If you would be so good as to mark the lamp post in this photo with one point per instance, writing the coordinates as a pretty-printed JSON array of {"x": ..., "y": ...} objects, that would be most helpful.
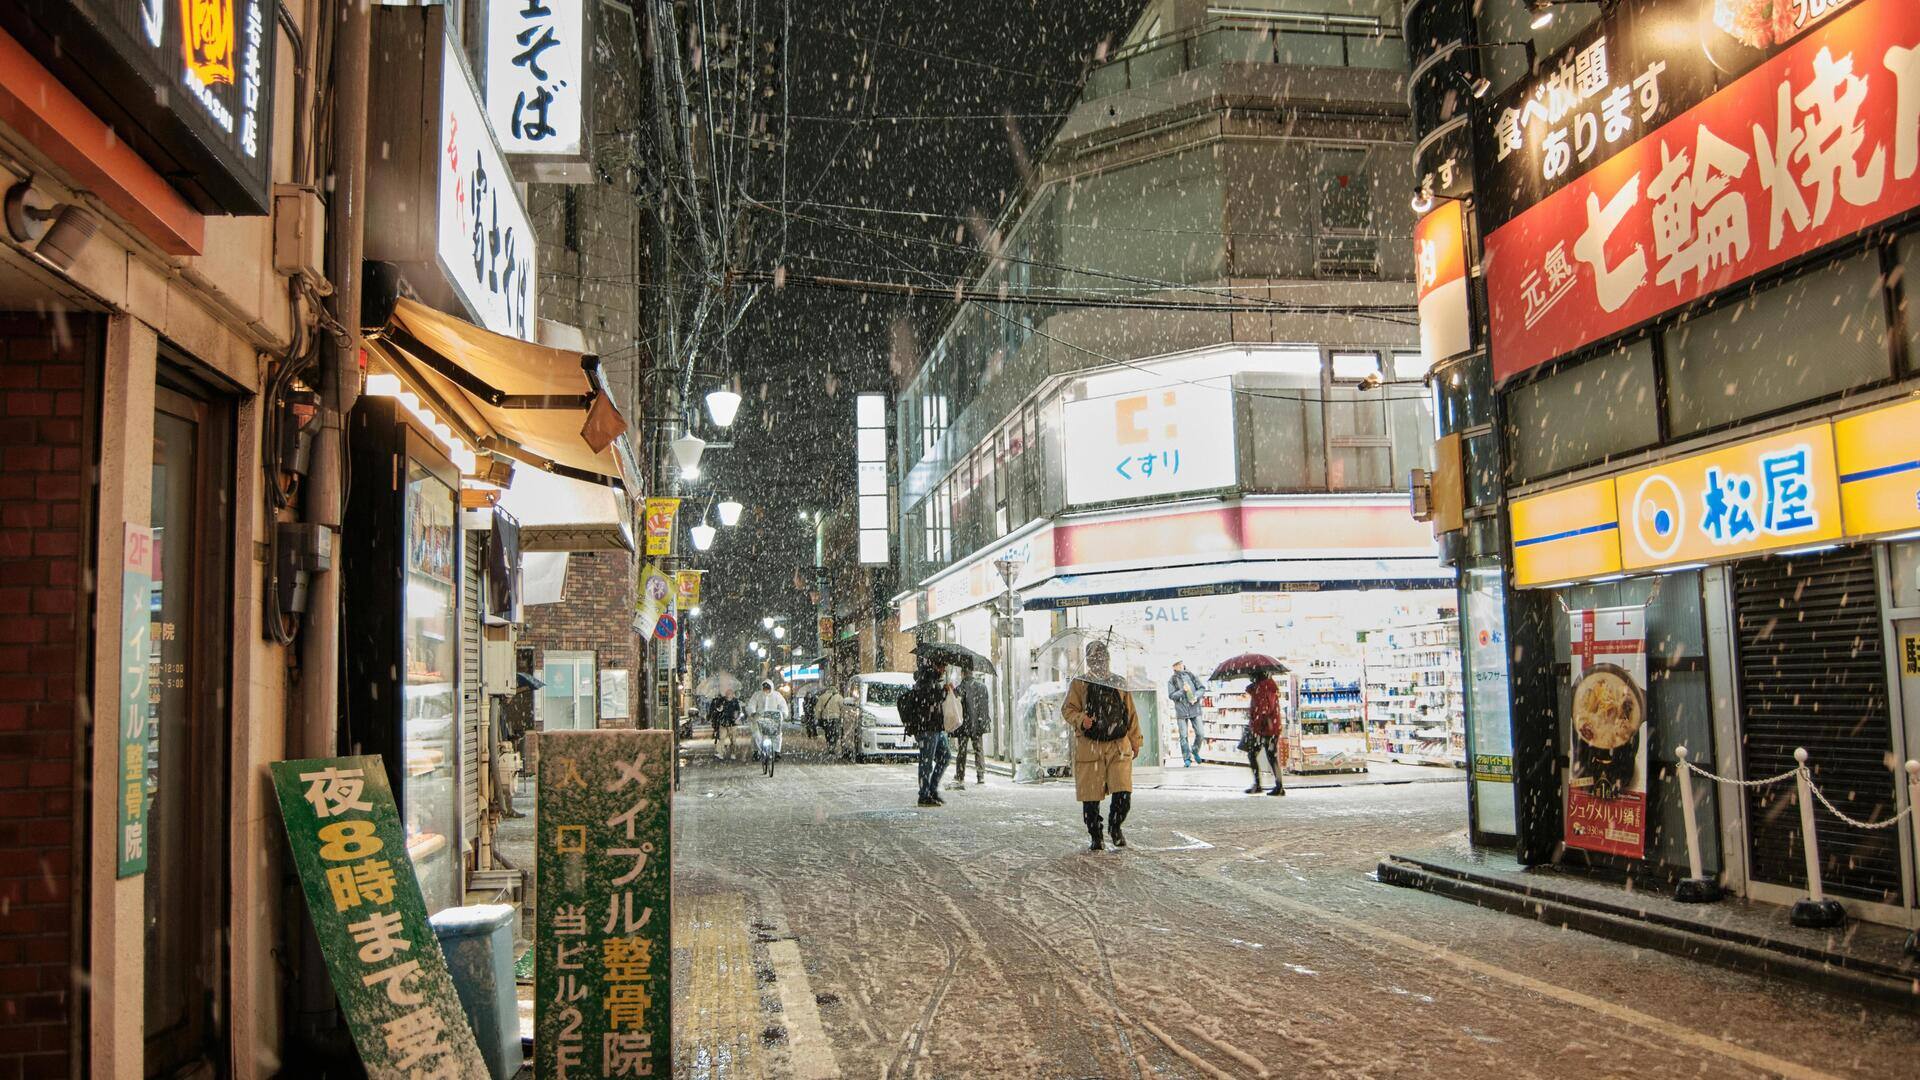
[{"x": 1024, "y": 737}]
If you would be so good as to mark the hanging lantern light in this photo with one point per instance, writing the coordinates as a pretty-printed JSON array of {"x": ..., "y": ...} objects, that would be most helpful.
[
  {"x": 723, "y": 406},
  {"x": 687, "y": 450},
  {"x": 703, "y": 535},
  {"x": 729, "y": 513}
]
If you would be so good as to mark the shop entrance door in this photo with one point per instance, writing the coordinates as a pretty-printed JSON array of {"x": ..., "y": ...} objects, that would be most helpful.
[
  {"x": 1812, "y": 674},
  {"x": 569, "y": 695}
]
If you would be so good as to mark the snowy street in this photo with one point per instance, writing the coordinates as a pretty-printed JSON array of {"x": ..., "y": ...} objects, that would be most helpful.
[{"x": 1237, "y": 936}]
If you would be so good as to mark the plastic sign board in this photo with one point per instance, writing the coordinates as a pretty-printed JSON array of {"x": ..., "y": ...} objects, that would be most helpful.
[
  {"x": 136, "y": 690},
  {"x": 1815, "y": 144},
  {"x": 1878, "y": 457},
  {"x": 1440, "y": 256},
  {"x": 387, "y": 967},
  {"x": 660, "y": 516},
  {"x": 1606, "y": 808},
  {"x": 603, "y": 922},
  {"x": 536, "y": 75},
  {"x": 1766, "y": 494},
  {"x": 1163, "y": 441},
  {"x": 1566, "y": 535},
  {"x": 870, "y": 472},
  {"x": 485, "y": 243},
  {"x": 686, "y": 588}
]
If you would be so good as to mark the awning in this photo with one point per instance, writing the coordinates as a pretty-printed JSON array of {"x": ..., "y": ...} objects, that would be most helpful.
[
  {"x": 515, "y": 398},
  {"x": 1212, "y": 579}
]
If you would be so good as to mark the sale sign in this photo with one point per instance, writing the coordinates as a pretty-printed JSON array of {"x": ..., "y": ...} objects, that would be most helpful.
[
  {"x": 1607, "y": 784},
  {"x": 1816, "y": 144}
]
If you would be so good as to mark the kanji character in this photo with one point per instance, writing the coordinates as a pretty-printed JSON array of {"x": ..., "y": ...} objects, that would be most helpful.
[
  {"x": 335, "y": 791},
  {"x": 620, "y": 918},
  {"x": 1787, "y": 202},
  {"x": 135, "y": 840},
  {"x": 477, "y": 182},
  {"x": 536, "y": 39},
  {"x": 1559, "y": 155},
  {"x": 1648, "y": 84},
  {"x": 627, "y": 958},
  {"x": 1835, "y": 137},
  {"x": 567, "y": 988},
  {"x": 627, "y": 1004},
  {"x": 1614, "y": 284},
  {"x": 1590, "y": 69},
  {"x": 413, "y": 1036},
  {"x": 626, "y": 1053},
  {"x": 535, "y": 9},
  {"x": 1507, "y": 135},
  {"x": 570, "y": 839},
  {"x": 1698, "y": 223},
  {"x": 1905, "y": 65},
  {"x": 569, "y": 774},
  {"x": 1559, "y": 270},
  {"x": 570, "y": 920},
  {"x": 369, "y": 880},
  {"x": 1727, "y": 517},
  {"x": 379, "y": 936},
  {"x": 630, "y": 816},
  {"x": 1559, "y": 90},
  {"x": 395, "y": 979},
  {"x": 1789, "y": 491}
]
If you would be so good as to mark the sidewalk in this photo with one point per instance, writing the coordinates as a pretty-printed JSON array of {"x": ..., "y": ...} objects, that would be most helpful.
[
  {"x": 1236, "y": 777},
  {"x": 1862, "y": 959}
]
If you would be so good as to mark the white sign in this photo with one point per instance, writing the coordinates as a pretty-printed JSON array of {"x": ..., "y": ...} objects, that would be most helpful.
[
  {"x": 870, "y": 441},
  {"x": 486, "y": 244},
  {"x": 536, "y": 64},
  {"x": 1162, "y": 441}
]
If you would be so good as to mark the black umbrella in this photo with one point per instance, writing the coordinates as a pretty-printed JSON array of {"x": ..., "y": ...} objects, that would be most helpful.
[
  {"x": 941, "y": 652},
  {"x": 529, "y": 682}
]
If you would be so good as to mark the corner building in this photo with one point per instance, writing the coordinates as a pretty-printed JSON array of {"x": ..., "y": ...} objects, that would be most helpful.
[{"x": 1679, "y": 365}]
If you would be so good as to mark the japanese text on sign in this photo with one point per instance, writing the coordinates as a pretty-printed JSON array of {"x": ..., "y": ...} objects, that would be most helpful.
[
  {"x": 536, "y": 52},
  {"x": 486, "y": 243}
]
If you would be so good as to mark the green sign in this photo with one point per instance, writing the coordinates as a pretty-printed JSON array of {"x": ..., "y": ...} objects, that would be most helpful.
[
  {"x": 387, "y": 967},
  {"x": 1495, "y": 768},
  {"x": 603, "y": 970},
  {"x": 136, "y": 625}
]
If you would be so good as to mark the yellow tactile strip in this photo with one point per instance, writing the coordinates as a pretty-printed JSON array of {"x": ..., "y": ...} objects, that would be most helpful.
[{"x": 717, "y": 1015}]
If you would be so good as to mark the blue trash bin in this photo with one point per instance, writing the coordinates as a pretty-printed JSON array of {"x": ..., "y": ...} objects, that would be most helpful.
[{"x": 478, "y": 942}]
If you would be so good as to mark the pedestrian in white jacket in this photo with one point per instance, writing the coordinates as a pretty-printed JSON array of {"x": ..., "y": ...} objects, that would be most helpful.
[{"x": 767, "y": 710}]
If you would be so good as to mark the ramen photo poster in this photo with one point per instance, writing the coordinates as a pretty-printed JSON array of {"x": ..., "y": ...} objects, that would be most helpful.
[{"x": 1607, "y": 783}]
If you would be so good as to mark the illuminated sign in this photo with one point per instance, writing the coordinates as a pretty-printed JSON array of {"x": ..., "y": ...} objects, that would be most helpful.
[
  {"x": 1781, "y": 491},
  {"x": 1814, "y": 144},
  {"x": 1566, "y": 535},
  {"x": 870, "y": 445},
  {"x": 1878, "y": 457},
  {"x": 187, "y": 83},
  {"x": 1164, "y": 441},
  {"x": 485, "y": 242},
  {"x": 536, "y": 75},
  {"x": 1440, "y": 256}
]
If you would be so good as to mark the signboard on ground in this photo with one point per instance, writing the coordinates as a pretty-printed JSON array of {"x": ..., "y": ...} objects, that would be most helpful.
[
  {"x": 603, "y": 935},
  {"x": 1607, "y": 780},
  {"x": 387, "y": 967}
]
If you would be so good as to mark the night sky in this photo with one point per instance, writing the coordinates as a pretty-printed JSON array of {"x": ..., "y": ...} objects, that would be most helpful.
[{"x": 912, "y": 118}]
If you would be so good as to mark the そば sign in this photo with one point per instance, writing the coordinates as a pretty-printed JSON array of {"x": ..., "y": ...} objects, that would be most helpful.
[
  {"x": 536, "y": 75},
  {"x": 486, "y": 244}
]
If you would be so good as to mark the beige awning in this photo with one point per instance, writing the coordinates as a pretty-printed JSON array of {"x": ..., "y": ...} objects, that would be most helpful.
[{"x": 515, "y": 398}]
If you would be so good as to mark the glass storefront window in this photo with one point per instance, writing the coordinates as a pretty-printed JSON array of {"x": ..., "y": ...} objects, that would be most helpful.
[
  {"x": 1483, "y": 629},
  {"x": 431, "y": 796},
  {"x": 1584, "y": 414}
]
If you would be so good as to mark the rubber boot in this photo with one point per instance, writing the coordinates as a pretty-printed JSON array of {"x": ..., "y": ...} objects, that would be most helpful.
[
  {"x": 1253, "y": 762},
  {"x": 1090, "y": 812},
  {"x": 1122, "y": 802}
]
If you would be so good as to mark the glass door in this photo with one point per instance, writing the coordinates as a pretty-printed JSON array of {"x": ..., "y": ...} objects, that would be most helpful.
[
  {"x": 569, "y": 696},
  {"x": 430, "y": 729}
]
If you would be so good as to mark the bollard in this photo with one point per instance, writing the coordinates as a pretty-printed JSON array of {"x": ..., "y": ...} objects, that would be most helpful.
[
  {"x": 1816, "y": 912},
  {"x": 1697, "y": 888}
]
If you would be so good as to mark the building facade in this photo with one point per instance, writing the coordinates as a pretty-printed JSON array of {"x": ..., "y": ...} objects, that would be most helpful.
[
  {"x": 1686, "y": 424},
  {"x": 1190, "y": 424}
]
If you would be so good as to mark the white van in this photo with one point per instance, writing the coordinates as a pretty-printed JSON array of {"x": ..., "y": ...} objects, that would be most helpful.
[{"x": 870, "y": 723}]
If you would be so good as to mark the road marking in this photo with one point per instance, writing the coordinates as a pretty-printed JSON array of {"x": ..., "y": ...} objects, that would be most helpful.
[
  {"x": 1193, "y": 843},
  {"x": 811, "y": 1055},
  {"x": 1679, "y": 1034},
  {"x": 718, "y": 1016}
]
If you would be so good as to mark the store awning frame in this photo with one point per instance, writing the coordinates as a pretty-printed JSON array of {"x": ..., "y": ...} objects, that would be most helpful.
[
  {"x": 417, "y": 341},
  {"x": 1220, "y": 579}
]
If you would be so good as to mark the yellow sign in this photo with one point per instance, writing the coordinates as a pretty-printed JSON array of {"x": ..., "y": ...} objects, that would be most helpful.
[
  {"x": 1566, "y": 535},
  {"x": 656, "y": 599},
  {"x": 660, "y": 517},
  {"x": 686, "y": 588},
  {"x": 1878, "y": 457},
  {"x": 1909, "y": 654},
  {"x": 1777, "y": 492}
]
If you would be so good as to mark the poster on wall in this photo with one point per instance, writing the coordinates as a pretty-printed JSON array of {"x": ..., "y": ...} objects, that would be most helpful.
[
  {"x": 656, "y": 600},
  {"x": 1607, "y": 780},
  {"x": 661, "y": 514}
]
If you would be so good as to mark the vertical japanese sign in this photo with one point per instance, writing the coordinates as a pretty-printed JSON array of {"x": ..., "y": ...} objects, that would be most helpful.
[
  {"x": 1440, "y": 255},
  {"x": 536, "y": 67},
  {"x": 661, "y": 515},
  {"x": 1607, "y": 783},
  {"x": 603, "y": 1003},
  {"x": 686, "y": 588},
  {"x": 485, "y": 243},
  {"x": 387, "y": 967},
  {"x": 1812, "y": 146},
  {"x": 136, "y": 625},
  {"x": 1488, "y": 705},
  {"x": 656, "y": 599}
]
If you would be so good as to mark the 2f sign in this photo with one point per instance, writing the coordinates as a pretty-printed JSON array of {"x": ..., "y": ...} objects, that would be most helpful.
[{"x": 536, "y": 53}]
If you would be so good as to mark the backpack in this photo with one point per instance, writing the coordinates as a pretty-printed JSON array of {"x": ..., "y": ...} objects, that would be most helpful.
[{"x": 1108, "y": 708}]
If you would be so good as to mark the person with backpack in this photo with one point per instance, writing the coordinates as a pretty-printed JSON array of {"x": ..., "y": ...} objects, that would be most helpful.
[
  {"x": 1106, "y": 739},
  {"x": 1265, "y": 729},
  {"x": 923, "y": 715}
]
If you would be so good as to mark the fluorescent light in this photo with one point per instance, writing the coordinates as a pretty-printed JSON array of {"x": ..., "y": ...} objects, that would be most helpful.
[
  {"x": 1679, "y": 567},
  {"x": 1603, "y": 580},
  {"x": 723, "y": 405},
  {"x": 729, "y": 513},
  {"x": 1811, "y": 550}
]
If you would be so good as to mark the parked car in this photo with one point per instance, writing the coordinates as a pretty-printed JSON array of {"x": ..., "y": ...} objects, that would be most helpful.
[{"x": 870, "y": 725}]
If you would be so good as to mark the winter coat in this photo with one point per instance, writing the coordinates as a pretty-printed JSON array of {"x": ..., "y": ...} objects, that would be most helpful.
[
  {"x": 828, "y": 706},
  {"x": 1264, "y": 715},
  {"x": 1184, "y": 688},
  {"x": 975, "y": 699},
  {"x": 767, "y": 703},
  {"x": 920, "y": 709},
  {"x": 724, "y": 712},
  {"x": 1100, "y": 768}
]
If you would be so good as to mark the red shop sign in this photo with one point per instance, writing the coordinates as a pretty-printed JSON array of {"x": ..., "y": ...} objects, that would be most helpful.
[{"x": 1811, "y": 147}]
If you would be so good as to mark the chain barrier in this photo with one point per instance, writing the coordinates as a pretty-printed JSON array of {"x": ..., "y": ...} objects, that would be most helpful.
[
  {"x": 1788, "y": 775},
  {"x": 1837, "y": 812},
  {"x": 1818, "y": 794}
]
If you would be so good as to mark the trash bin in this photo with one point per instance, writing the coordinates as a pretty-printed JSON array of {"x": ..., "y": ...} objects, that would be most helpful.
[{"x": 478, "y": 941}]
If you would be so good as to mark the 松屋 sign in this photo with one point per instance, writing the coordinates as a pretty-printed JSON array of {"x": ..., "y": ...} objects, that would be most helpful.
[
  {"x": 1762, "y": 495},
  {"x": 1440, "y": 261},
  {"x": 1811, "y": 146},
  {"x": 1162, "y": 441},
  {"x": 536, "y": 75},
  {"x": 486, "y": 243}
]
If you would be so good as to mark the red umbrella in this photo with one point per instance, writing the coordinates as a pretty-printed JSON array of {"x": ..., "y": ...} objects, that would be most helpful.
[{"x": 1246, "y": 665}]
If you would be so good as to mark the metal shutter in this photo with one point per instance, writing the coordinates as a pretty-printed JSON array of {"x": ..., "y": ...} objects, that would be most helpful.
[
  {"x": 470, "y": 592},
  {"x": 1813, "y": 674}
]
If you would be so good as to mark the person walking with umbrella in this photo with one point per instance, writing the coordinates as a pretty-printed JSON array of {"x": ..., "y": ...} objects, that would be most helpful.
[
  {"x": 1264, "y": 730},
  {"x": 1106, "y": 739},
  {"x": 922, "y": 714}
]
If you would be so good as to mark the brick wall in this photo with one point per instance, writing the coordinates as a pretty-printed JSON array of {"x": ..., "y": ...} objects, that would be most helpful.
[
  {"x": 595, "y": 614},
  {"x": 45, "y": 451}
]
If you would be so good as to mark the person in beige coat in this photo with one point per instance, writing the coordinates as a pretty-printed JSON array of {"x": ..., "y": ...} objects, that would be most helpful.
[{"x": 1106, "y": 740}]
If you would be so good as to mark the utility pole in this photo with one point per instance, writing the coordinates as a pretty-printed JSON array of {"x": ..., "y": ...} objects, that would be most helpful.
[{"x": 1023, "y": 737}]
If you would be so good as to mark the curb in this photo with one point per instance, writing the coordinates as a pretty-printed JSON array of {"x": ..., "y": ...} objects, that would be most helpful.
[{"x": 1729, "y": 949}]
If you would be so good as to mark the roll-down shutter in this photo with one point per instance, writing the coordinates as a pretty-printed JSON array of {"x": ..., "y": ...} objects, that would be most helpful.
[
  {"x": 471, "y": 569},
  {"x": 1813, "y": 674}
]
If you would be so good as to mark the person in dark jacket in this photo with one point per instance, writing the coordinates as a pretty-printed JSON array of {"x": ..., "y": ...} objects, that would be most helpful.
[
  {"x": 1264, "y": 731},
  {"x": 977, "y": 704},
  {"x": 922, "y": 717},
  {"x": 724, "y": 714},
  {"x": 1185, "y": 691}
]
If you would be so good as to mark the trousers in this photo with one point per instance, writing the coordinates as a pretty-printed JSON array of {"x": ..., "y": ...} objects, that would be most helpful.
[
  {"x": 960, "y": 743},
  {"x": 933, "y": 763}
]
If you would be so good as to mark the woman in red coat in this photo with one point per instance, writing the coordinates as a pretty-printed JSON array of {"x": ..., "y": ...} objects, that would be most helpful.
[{"x": 1264, "y": 730}]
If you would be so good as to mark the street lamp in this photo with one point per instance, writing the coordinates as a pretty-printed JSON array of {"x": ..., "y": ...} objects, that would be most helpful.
[
  {"x": 693, "y": 612},
  {"x": 703, "y": 535},
  {"x": 723, "y": 405},
  {"x": 779, "y": 632},
  {"x": 1543, "y": 10},
  {"x": 686, "y": 453},
  {"x": 729, "y": 513},
  {"x": 767, "y": 622}
]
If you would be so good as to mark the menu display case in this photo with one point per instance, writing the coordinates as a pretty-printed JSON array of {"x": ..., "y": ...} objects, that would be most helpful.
[{"x": 402, "y": 645}]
